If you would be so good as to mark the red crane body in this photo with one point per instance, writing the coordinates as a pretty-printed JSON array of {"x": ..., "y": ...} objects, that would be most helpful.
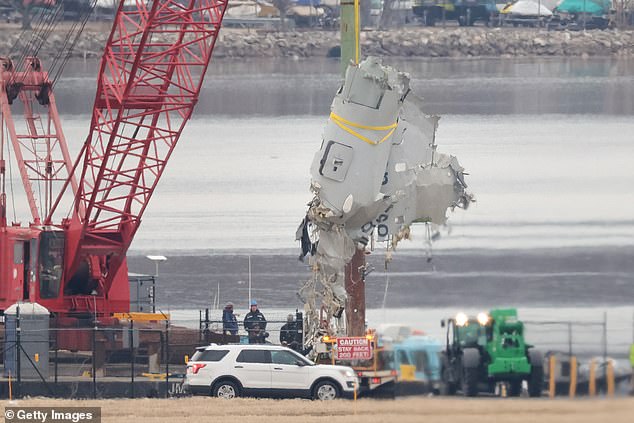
[{"x": 150, "y": 77}]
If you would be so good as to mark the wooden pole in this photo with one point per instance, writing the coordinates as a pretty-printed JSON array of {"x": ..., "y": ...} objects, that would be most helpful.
[{"x": 355, "y": 288}]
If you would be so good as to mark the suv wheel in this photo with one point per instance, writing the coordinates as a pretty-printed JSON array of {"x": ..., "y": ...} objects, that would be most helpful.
[
  {"x": 226, "y": 389},
  {"x": 325, "y": 391}
]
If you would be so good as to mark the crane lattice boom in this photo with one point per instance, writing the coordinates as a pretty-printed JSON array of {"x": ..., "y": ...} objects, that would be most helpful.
[
  {"x": 149, "y": 81},
  {"x": 151, "y": 74}
]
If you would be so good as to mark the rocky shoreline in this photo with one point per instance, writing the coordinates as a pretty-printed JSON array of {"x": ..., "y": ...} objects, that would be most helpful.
[{"x": 409, "y": 42}]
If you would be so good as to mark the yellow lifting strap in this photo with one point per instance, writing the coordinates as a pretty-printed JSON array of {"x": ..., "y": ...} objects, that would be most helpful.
[
  {"x": 346, "y": 126},
  {"x": 141, "y": 317}
]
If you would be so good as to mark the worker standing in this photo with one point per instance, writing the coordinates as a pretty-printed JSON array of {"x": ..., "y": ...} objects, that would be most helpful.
[
  {"x": 255, "y": 324},
  {"x": 229, "y": 321},
  {"x": 288, "y": 334}
]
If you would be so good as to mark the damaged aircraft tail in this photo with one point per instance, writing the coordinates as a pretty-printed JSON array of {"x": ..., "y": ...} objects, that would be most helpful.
[{"x": 376, "y": 172}]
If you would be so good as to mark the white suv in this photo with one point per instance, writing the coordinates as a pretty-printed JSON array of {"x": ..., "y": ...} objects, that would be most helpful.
[{"x": 229, "y": 371}]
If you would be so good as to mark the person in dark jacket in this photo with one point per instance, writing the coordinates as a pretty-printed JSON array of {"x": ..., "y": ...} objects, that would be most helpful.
[
  {"x": 255, "y": 324},
  {"x": 288, "y": 334},
  {"x": 229, "y": 321}
]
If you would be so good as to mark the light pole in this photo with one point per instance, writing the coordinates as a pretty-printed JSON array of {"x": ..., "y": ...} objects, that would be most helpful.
[
  {"x": 156, "y": 260},
  {"x": 249, "y": 281}
]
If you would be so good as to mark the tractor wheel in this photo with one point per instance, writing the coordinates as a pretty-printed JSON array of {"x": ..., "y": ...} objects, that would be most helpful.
[
  {"x": 515, "y": 388},
  {"x": 536, "y": 378},
  {"x": 447, "y": 386},
  {"x": 536, "y": 381},
  {"x": 470, "y": 381},
  {"x": 471, "y": 362}
]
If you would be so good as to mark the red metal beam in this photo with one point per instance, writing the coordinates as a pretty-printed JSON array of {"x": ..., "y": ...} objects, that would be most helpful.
[
  {"x": 151, "y": 73},
  {"x": 37, "y": 137}
]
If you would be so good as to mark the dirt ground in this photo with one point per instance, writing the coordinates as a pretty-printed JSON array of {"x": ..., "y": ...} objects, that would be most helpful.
[{"x": 421, "y": 409}]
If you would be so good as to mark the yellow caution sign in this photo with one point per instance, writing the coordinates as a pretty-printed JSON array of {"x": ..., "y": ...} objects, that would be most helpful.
[{"x": 408, "y": 373}]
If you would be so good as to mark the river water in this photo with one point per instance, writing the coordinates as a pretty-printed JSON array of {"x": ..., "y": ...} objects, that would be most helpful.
[{"x": 548, "y": 144}]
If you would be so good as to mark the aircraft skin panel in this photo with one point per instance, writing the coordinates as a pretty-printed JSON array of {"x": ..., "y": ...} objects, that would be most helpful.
[
  {"x": 376, "y": 172},
  {"x": 363, "y": 117}
]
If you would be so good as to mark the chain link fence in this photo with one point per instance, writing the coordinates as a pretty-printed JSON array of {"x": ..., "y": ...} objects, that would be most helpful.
[
  {"x": 124, "y": 358},
  {"x": 147, "y": 358}
]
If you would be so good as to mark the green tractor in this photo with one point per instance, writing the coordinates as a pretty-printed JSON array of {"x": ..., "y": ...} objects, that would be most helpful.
[{"x": 485, "y": 350}]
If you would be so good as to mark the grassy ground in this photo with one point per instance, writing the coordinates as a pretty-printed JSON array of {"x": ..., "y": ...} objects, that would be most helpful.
[{"x": 419, "y": 409}]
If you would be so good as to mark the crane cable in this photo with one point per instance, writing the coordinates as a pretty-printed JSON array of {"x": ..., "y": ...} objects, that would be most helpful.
[
  {"x": 47, "y": 28},
  {"x": 17, "y": 45},
  {"x": 39, "y": 35},
  {"x": 47, "y": 21},
  {"x": 46, "y": 24},
  {"x": 72, "y": 36},
  {"x": 11, "y": 182}
]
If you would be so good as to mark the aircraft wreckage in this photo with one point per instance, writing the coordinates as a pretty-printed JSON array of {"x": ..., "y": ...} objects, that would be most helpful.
[{"x": 376, "y": 172}]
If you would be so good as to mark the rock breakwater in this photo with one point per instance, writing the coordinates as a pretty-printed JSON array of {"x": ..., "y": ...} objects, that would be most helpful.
[{"x": 410, "y": 42}]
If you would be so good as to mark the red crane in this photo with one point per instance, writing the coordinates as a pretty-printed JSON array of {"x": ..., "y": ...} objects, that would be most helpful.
[{"x": 149, "y": 81}]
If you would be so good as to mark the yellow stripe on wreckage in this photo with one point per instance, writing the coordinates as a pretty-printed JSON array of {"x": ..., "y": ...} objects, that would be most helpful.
[{"x": 347, "y": 126}]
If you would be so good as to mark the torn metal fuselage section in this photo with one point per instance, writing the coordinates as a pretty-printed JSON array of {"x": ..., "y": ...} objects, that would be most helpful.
[{"x": 377, "y": 171}]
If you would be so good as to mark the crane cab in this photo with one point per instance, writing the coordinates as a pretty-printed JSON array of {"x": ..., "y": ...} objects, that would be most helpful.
[
  {"x": 32, "y": 263},
  {"x": 32, "y": 269},
  {"x": 18, "y": 246}
]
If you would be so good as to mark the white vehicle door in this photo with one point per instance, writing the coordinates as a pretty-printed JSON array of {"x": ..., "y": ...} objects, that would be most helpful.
[
  {"x": 287, "y": 373},
  {"x": 253, "y": 368}
]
